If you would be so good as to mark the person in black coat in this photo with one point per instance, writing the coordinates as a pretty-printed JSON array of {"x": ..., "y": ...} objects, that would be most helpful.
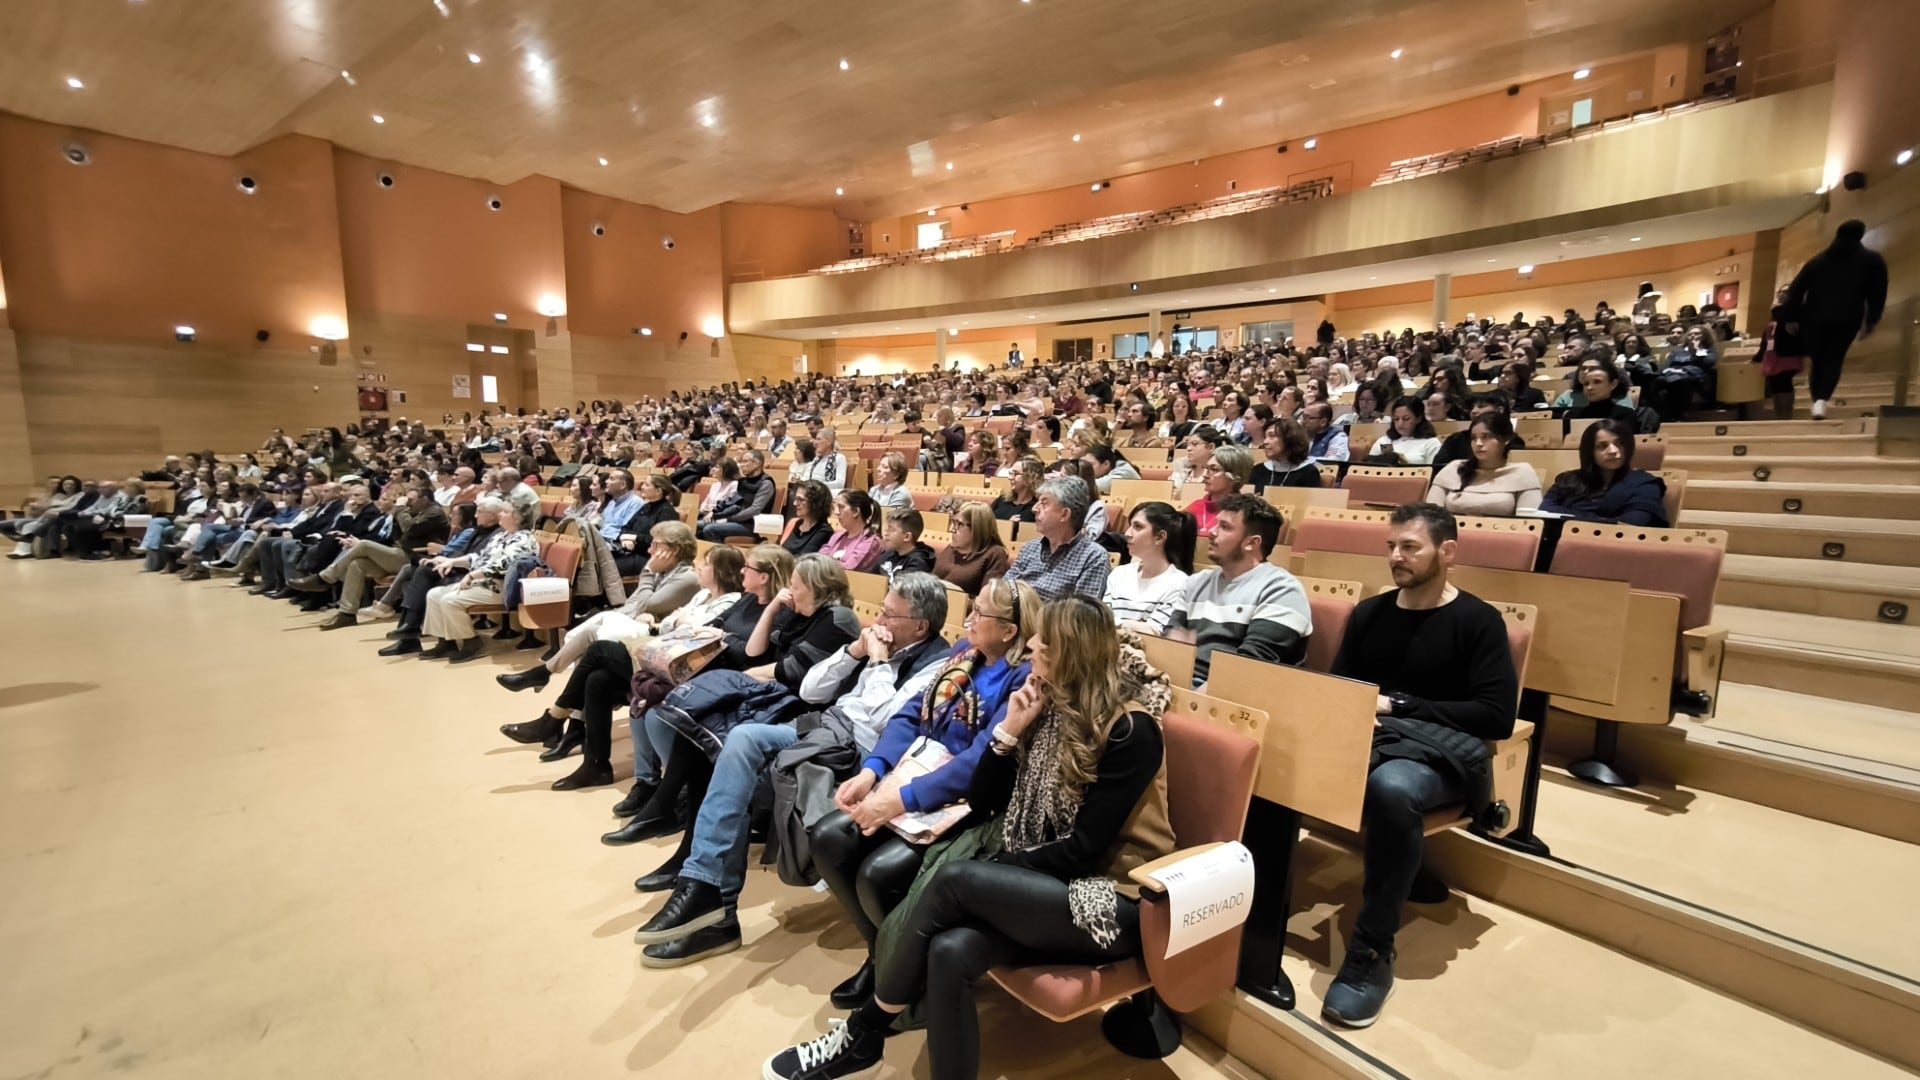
[
  {"x": 1606, "y": 487},
  {"x": 1840, "y": 294}
]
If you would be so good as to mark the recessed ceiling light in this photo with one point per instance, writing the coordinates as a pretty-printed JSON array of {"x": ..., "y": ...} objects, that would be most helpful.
[
  {"x": 930, "y": 213},
  {"x": 1582, "y": 73},
  {"x": 378, "y": 119},
  {"x": 473, "y": 58},
  {"x": 839, "y": 191},
  {"x": 1273, "y": 290},
  {"x": 1076, "y": 136},
  {"x": 1219, "y": 101},
  {"x": 498, "y": 350},
  {"x": 1373, "y": 277},
  {"x": 844, "y": 65},
  {"x": 949, "y": 166},
  {"x": 474, "y": 346},
  {"x": 347, "y": 75},
  {"x": 706, "y": 121},
  {"x": 1311, "y": 143},
  {"x": 1493, "y": 260},
  {"x": 441, "y": 7},
  {"x": 1633, "y": 239},
  {"x": 499, "y": 316},
  {"x": 1903, "y": 157},
  {"x": 1526, "y": 268},
  {"x": 75, "y": 84},
  {"x": 1396, "y": 53},
  {"x": 646, "y": 331},
  {"x": 603, "y": 162}
]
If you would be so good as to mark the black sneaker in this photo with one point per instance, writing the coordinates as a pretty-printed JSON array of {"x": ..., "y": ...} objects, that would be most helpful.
[
  {"x": 1362, "y": 987},
  {"x": 843, "y": 1051},
  {"x": 695, "y": 947},
  {"x": 694, "y": 905}
]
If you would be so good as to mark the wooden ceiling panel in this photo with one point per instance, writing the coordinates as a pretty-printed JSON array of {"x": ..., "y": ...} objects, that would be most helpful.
[{"x": 697, "y": 102}]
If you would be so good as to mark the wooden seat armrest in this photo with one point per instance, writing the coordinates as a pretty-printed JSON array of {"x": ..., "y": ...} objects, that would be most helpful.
[
  {"x": 1142, "y": 875},
  {"x": 1705, "y": 649},
  {"x": 435, "y": 548}
]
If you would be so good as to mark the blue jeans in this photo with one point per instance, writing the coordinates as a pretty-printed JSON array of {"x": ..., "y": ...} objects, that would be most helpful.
[
  {"x": 718, "y": 855},
  {"x": 1399, "y": 796},
  {"x": 719, "y": 532},
  {"x": 213, "y": 536},
  {"x": 652, "y": 742}
]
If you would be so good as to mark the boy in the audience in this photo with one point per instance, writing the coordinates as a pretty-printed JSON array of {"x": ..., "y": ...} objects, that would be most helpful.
[
  {"x": 905, "y": 552},
  {"x": 1441, "y": 660},
  {"x": 1243, "y": 603}
]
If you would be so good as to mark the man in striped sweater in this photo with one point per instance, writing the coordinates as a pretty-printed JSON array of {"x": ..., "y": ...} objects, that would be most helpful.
[{"x": 1244, "y": 604}]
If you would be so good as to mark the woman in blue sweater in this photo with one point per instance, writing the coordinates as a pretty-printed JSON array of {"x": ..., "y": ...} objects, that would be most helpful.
[
  {"x": 867, "y": 865},
  {"x": 1606, "y": 487}
]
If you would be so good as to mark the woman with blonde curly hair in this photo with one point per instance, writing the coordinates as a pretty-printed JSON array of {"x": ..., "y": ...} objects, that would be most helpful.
[{"x": 1069, "y": 797}]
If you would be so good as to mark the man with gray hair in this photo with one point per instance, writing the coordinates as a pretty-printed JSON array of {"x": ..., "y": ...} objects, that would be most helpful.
[
  {"x": 506, "y": 481},
  {"x": 1063, "y": 561},
  {"x": 447, "y": 611},
  {"x": 829, "y": 465},
  {"x": 866, "y": 683}
]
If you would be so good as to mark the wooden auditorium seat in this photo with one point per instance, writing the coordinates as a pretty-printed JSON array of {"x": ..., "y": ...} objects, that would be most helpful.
[{"x": 1381, "y": 485}]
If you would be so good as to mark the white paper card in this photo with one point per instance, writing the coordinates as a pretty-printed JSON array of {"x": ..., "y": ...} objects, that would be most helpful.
[
  {"x": 544, "y": 590},
  {"x": 1207, "y": 895},
  {"x": 768, "y": 524},
  {"x": 137, "y": 521}
]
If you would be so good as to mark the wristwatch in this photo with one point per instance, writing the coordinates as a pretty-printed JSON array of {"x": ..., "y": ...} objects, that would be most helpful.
[{"x": 1402, "y": 704}]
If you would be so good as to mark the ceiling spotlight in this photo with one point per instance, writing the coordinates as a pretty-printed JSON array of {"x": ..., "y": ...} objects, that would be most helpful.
[
  {"x": 949, "y": 166},
  {"x": 473, "y": 58},
  {"x": 498, "y": 350},
  {"x": 551, "y": 306},
  {"x": 646, "y": 331},
  {"x": 378, "y": 119},
  {"x": 328, "y": 328},
  {"x": 1311, "y": 144},
  {"x": 706, "y": 121},
  {"x": 1095, "y": 187},
  {"x": 183, "y": 333},
  {"x": 347, "y": 75},
  {"x": 1526, "y": 268},
  {"x": 844, "y": 65},
  {"x": 1396, "y": 53},
  {"x": 1582, "y": 73},
  {"x": 603, "y": 162},
  {"x": 499, "y": 316},
  {"x": 713, "y": 327},
  {"x": 930, "y": 213},
  {"x": 1633, "y": 239},
  {"x": 474, "y": 346},
  {"x": 441, "y": 7},
  {"x": 953, "y": 331},
  {"x": 1219, "y": 101},
  {"x": 1903, "y": 157},
  {"x": 839, "y": 191},
  {"x": 1076, "y": 136},
  {"x": 75, "y": 84}
]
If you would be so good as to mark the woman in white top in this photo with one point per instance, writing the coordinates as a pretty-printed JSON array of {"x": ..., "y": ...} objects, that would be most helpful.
[
  {"x": 1142, "y": 592},
  {"x": 1411, "y": 438},
  {"x": 1484, "y": 484},
  {"x": 889, "y": 491},
  {"x": 726, "y": 482}
]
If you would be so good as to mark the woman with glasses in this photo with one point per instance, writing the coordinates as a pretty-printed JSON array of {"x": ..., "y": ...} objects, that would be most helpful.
[
  {"x": 868, "y": 867},
  {"x": 977, "y": 554},
  {"x": 1225, "y": 475}
]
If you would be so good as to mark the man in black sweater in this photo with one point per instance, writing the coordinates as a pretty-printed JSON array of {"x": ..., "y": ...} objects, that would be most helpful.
[
  {"x": 1840, "y": 293},
  {"x": 1441, "y": 660}
]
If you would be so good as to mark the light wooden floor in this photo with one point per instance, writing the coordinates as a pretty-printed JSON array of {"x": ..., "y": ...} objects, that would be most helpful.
[{"x": 237, "y": 847}]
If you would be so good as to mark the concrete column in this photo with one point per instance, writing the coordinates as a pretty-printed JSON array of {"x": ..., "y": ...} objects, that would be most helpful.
[
  {"x": 1442, "y": 297},
  {"x": 1756, "y": 294},
  {"x": 939, "y": 350}
]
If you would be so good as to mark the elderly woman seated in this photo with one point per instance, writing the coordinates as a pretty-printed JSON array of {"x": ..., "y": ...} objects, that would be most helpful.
[
  {"x": 667, "y": 582},
  {"x": 447, "y": 612}
]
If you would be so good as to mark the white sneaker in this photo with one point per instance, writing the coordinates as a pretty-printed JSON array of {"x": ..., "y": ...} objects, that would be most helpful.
[
  {"x": 376, "y": 612},
  {"x": 1820, "y": 410}
]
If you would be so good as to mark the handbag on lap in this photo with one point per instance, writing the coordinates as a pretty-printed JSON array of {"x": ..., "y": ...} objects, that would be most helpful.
[{"x": 679, "y": 655}]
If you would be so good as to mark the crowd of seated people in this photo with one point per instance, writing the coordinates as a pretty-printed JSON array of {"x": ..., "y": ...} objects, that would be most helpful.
[{"x": 1041, "y": 717}]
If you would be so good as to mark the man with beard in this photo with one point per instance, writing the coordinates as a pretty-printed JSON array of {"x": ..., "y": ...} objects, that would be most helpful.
[
  {"x": 1243, "y": 604},
  {"x": 1441, "y": 660}
]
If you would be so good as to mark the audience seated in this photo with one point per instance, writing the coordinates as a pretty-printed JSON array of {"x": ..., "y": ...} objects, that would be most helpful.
[
  {"x": 1441, "y": 660},
  {"x": 1243, "y": 603},
  {"x": 1606, "y": 487},
  {"x": 1067, "y": 801},
  {"x": 812, "y": 523},
  {"x": 977, "y": 554},
  {"x": 1228, "y": 470},
  {"x": 1484, "y": 483},
  {"x": 1024, "y": 481},
  {"x": 729, "y": 726},
  {"x": 1410, "y": 439},
  {"x": 1142, "y": 593},
  {"x": 900, "y": 546},
  {"x": 855, "y": 545},
  {"x": 1062, "y": 560},
  {"x": 1289, "y": 457},
  {"x": 1459, "y": 445}
]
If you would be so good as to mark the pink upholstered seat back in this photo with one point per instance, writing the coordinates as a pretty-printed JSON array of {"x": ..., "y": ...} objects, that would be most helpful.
[
  {"x": 1210, "y": 774},
  {"x": 1498, "y": 550},
  {"x": 1332, "y": 534},
  {"x": 1649, "y": 455},
  {"x": 1690, "y": 571},
  {"x": 1395, "y": 489},
  {"x": 1330, "y": 615}
]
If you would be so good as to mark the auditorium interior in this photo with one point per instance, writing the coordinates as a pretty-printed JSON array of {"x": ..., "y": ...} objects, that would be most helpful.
[{"x": 529, "y": 230}]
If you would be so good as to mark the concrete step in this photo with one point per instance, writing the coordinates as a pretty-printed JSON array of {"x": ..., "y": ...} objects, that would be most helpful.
[
  {"x": 1812, "y": 536},
  {"x": 1900, "y": 501}
]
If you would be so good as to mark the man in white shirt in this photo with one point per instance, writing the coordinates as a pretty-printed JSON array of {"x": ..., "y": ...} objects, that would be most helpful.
[{"x": 889, "y": 664}]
